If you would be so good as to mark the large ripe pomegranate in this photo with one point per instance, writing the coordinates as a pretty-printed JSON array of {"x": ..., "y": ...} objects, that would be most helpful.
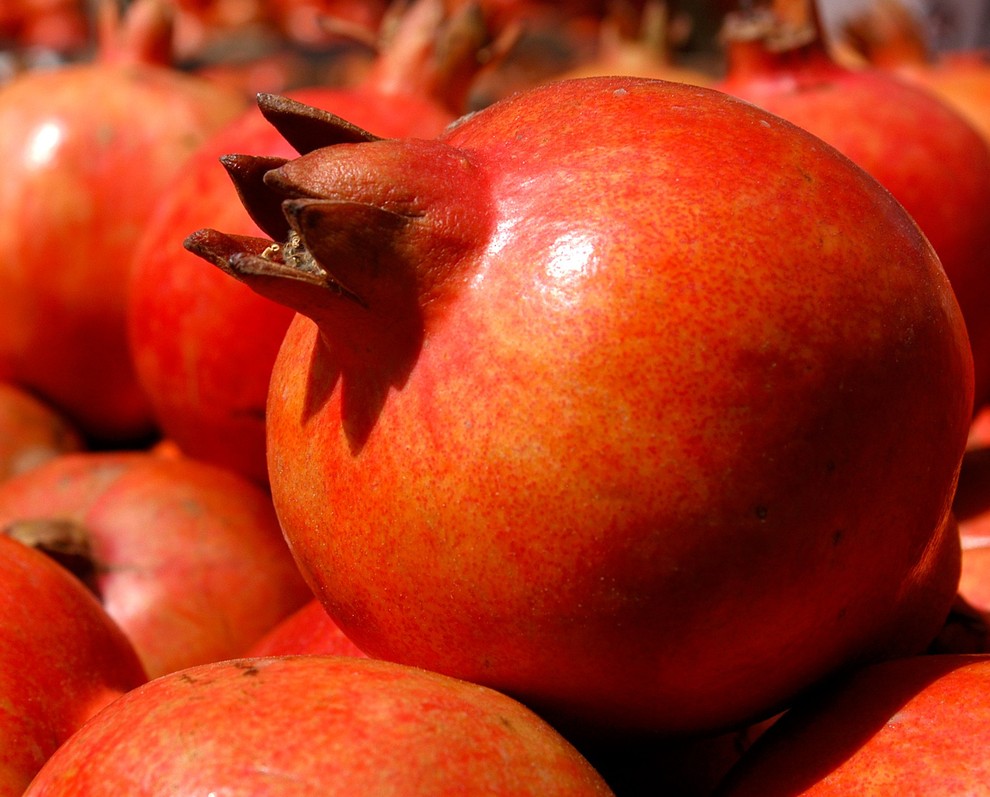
[
  {"x": 203, "y": 346},
  {"x": 599, "y": 398},
  {"x": 86, "y": 150},
  {"x": 919, "y": 147}
]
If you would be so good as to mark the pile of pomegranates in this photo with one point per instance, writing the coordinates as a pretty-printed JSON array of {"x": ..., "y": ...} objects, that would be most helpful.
[
  {"x": 87, "y": 148},
  {"x": 578, "y": 427}
]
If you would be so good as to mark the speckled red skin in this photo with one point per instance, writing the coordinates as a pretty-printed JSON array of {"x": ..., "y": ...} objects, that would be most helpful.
[
  {"x": 61, "y": 660},
  {"x": 646, "y": 466},
  {"x": 933, "y": 160},
  {"x": 321, "y": 726},
  {"x": 912, "y": 726}
]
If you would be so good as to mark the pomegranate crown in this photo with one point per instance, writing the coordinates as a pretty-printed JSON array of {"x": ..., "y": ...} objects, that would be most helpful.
[
  {"x": 365, "y": 237},
  {"x": 376, "y": 222}
]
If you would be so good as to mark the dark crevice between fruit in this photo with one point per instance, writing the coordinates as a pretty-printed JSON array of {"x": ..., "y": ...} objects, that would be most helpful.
[{"x": 64, "y": 541}]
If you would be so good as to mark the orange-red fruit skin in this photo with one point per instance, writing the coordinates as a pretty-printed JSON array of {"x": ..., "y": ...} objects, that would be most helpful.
[
  {"x": 61, "y": 660},
  {"x": 919, "y": 147},
  {"x": 915, "y": 726},
  {"x": 648, "y": 467},
  {"x": 86, "y": 151},
  {"x": 325, "y": 726}
]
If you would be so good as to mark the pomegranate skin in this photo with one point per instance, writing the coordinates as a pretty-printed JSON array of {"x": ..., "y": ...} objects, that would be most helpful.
[
  {"x": 321, "y": 726},
  {"x": 307, "y": 631},
  {"x": 917, "y": 145},
  {"x": 916, "y": 725},
  {"x": 62, "y": 659},
  {"x": 636, "y": 453}
]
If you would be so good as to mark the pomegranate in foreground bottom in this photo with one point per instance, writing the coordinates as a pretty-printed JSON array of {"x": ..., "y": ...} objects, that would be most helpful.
[{"x": 321, "y": 726}]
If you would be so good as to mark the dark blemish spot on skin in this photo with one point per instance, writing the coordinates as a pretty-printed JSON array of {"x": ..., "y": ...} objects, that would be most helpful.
[
  {"x": 761, "y": 513},
  {"x": 837, "y": 536},
  {"x": 252, "y": 670}
]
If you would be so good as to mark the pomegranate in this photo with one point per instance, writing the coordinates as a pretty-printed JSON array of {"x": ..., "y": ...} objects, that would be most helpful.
[
  {"x": 972, "y": 497},
  {"x": 598, "y": 398},
  {"x": 308, "y": 630},
  {"x": 933, "y": 161},
  {"x": 86, "y": 150},
  {"x": 202, "y": 345},
  {"x": 62, "y": 659},
  {"x": 971, "y": 505},
  {"x": 187, "y": 558},
  {"x": 974, "y": 582},
  {"x": 912, "y": 726},
  {"x": 317, "y": 726}
]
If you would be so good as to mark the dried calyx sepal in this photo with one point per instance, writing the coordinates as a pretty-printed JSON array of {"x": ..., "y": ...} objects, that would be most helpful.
[{"x": 380, "y": 222}]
